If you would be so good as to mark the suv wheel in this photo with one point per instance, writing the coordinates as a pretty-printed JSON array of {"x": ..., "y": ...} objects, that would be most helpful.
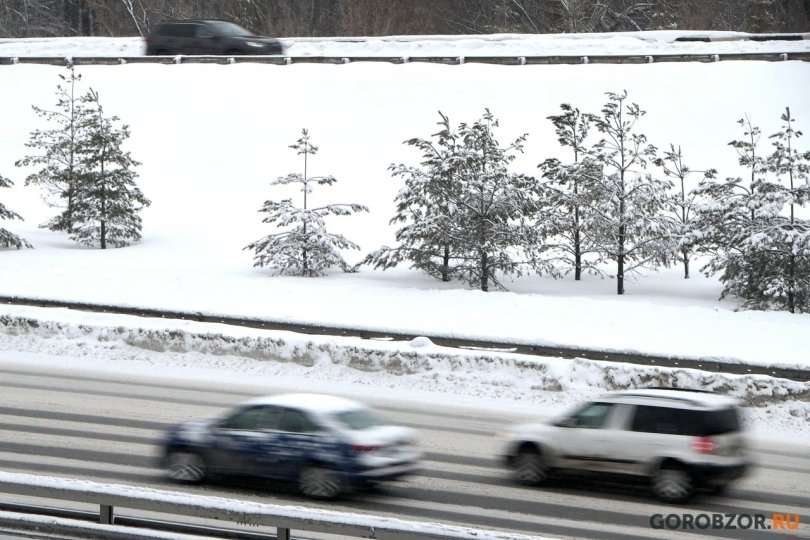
[
  {"x": 187, "y": 467},
  {"x": 672, "y": 484},
  {"x": 319, "y": 482},
  {"x": 530, "y": 466}
]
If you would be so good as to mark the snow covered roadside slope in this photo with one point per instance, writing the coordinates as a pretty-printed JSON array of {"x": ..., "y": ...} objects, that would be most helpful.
[
  {"x": 652, "y": 42},
  {"x": 211, "y": 137},
  {"x": 417, "y": 371}
]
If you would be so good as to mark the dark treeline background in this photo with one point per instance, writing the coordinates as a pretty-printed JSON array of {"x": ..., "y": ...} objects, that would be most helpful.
[{"x": 289, "y": 18}]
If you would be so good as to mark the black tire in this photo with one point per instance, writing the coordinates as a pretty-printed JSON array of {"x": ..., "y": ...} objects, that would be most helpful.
[
  {"x": 186, "y": 467},
  {"x": 529, "y": 466},
  {"x": 672, "y": 483},
  {"x": 320, "y": 482}
]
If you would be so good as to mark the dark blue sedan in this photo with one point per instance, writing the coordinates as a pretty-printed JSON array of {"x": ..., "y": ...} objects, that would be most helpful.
[{"x": 326, "y": 444}]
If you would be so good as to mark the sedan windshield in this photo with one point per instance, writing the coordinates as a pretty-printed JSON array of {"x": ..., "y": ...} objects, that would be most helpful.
[
  {"x": 359, "y": 419},
  {"x": 231, "y": 30}
]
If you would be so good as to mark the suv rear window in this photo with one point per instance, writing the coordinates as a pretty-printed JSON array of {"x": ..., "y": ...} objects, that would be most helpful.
[{"x": 690, "y": 422}]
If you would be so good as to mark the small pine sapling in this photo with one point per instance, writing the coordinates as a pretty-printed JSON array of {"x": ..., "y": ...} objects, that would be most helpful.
[
  {"x": 107, "y": 200},
  {"x": 568, "y": 192},
  {"x": 304, "y": 247},
  {"x": 57, "y": 153},
  {"x": 673, "y": 166},
  {"x": 630, "y": 224}
]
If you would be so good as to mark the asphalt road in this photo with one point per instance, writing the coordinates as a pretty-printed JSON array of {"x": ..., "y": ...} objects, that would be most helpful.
[{"x": 94, "y": 426}]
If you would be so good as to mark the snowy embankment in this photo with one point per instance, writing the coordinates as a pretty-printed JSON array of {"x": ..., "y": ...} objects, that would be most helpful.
[
  {"x": 618, "y": 43},
  {"x": 417, "y": 370}
]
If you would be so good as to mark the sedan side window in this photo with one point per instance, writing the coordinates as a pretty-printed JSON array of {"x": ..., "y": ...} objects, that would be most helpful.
[
  {"x": 245, "y": 419},
  {"x": 592, "y": 416},
  {"x": 295, "y": 422},
  {"x": 269, "y": 418}
]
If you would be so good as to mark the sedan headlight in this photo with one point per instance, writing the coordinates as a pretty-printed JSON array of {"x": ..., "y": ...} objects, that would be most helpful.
[{"x": 254, "y": 44}]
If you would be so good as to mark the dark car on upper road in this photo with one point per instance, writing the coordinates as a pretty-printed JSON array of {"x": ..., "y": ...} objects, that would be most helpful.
[
  {"x": 208, "y": 37},
  {"x": 326, "y": 444}
]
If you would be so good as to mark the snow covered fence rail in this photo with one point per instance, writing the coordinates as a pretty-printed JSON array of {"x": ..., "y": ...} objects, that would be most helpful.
[
  {"x": 284, "y": 519},
  {"x": 449, "y": 60},
  {"x": 731, "y": 366}
]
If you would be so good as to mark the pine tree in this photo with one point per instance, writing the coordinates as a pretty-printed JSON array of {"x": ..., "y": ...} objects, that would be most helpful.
[
  {"x": 7, "y": 238},
  {"x": 106, "y": 200},
  {"x": 61, "y": 167},
  {"x": 728, "y": 220},
  {"x": 630, "y": 224},
  {"x": 785, "y": 238},
  {"x": 569, "y": 191},
  {"x": 469, "y": 217},
  {"x": 673, "y": 166},
  {"x": 306, "y": 247},
  {"x": 425, "y": 211}
]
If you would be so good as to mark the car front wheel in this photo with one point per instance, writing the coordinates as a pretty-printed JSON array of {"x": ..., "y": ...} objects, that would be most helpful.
[
  {"x": 319, "y": 482},
  {"x": 187, "y": 467}
]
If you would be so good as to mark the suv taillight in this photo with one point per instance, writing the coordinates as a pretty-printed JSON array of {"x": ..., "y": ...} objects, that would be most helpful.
[{"x": 703, "y": 445}]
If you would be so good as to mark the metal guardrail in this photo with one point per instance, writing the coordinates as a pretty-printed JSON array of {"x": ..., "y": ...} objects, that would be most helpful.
[
  {"x": 448, "y": 60},
  {"x": 284, "y": 519},
  {"x": 554, "y": 351}
]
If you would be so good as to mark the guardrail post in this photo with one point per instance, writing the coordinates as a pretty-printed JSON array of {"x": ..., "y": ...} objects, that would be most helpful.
[
  {"x": 106, "y": 516},
  {"x": 282, "y": 533}
]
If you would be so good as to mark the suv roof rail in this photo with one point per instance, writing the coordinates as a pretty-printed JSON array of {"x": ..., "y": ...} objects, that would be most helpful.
[{"x": 678, "y": 389}]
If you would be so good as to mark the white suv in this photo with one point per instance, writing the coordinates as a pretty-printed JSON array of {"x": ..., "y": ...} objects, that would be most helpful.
[{"x": 679, "y": 439}]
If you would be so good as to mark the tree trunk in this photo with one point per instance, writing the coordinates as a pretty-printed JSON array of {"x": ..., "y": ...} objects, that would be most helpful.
[
  {"x": 685, "y": 253},
  {"x": 620, "y": 261},
  {"x": 577, "y": 255},
  {"x": 446, "y": 264},
  {"x": 484, "y": 272},
  {"x": 791, "y": 284}
]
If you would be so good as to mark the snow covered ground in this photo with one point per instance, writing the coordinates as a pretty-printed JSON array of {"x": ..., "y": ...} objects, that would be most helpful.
[
  {"x": 653, "y": 42},
  {"x": 211, "y": 137}
]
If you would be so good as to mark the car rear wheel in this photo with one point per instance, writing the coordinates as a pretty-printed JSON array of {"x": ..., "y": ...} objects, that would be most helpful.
[
  {"x": 672, "y": 484},
  {"x": 319, "y": 482},
  {"x": 529, "y": 467},
  {"x": 187, "y": 467}
]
